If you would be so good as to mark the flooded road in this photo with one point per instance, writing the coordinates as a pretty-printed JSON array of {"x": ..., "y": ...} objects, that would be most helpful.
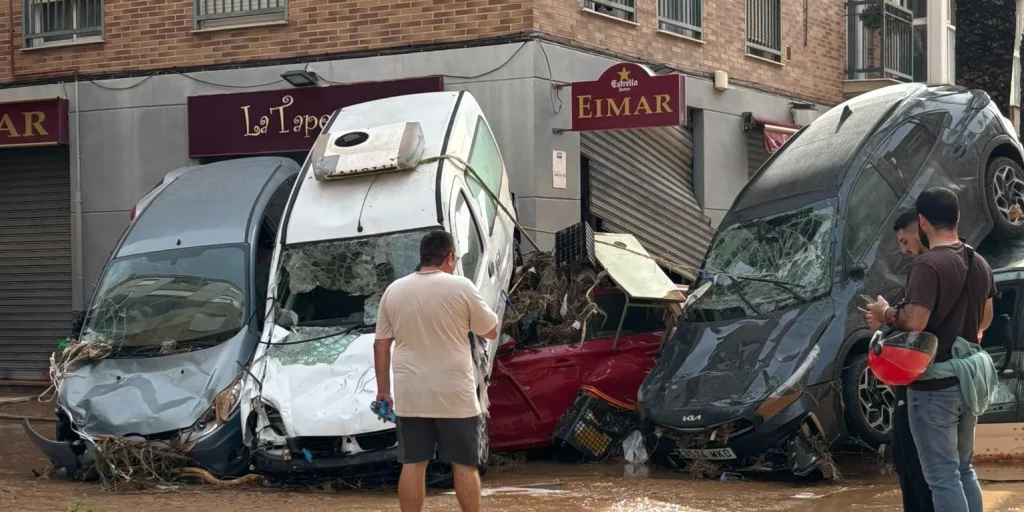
[{"x": 528, "y": 487}]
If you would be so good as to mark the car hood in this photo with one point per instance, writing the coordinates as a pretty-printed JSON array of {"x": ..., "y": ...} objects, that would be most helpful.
[
  {"x": 153, "y": 395},
  {"x": 323, "y": 388},
  {"x": 714, "y": 373}
]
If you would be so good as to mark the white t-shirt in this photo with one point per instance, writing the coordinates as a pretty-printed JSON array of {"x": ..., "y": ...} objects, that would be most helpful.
[{"x": 430, "y": 316}]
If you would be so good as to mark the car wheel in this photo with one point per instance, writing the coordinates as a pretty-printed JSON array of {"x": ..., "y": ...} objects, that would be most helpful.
[
  {"x": 869, "y": 403},
  {"x": 1004, "y": 189},
  {"x": 485, "y": 446}
]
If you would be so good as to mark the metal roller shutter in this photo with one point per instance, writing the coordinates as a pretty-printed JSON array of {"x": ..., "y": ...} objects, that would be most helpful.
[
  {"x": 756, "y": 154},
  {"x": 641, "y": 182},
  {"x": 35, "y": 258}
]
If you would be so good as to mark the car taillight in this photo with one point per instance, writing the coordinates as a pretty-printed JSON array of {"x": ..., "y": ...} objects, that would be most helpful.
[{"x": 132, "y": 217}]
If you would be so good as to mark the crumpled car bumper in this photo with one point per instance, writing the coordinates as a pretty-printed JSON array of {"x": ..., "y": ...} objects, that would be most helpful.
[
  {"x": 221, "y": 452},
  {"x": 778, "y": 444},
  {"x": 366, "y": 469}
]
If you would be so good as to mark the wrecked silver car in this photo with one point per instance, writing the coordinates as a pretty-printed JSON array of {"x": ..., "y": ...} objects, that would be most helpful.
[
  {"x": 174, "y": 320},
  {"x": 768, "y": 368}
]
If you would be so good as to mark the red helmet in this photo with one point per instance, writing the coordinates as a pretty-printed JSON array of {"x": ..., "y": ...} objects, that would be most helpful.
[{"x": 902, "y": 357}]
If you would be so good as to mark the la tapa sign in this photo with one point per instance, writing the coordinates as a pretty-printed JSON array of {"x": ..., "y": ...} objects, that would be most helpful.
[{"x": 628, "y": 96}]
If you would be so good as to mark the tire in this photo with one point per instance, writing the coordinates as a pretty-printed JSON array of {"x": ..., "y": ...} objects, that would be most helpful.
[
  {"x": 1004, "y": 189},
  {"x": 485, "y": 446},
  {"x": 869, "y": 404}
]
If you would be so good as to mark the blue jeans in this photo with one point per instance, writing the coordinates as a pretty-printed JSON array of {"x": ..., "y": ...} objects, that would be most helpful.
[{"x": 943, "y": 429}]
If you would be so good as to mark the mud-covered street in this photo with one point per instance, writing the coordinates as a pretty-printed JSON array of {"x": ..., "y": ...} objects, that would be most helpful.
[{"x": 532, "y": 486}]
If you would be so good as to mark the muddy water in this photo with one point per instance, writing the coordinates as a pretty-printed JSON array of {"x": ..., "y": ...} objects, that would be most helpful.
[{"x": 540, "y": 487}]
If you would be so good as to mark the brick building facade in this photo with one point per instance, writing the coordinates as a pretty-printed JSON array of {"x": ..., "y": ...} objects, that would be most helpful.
[{"x": 117, "y": 94}]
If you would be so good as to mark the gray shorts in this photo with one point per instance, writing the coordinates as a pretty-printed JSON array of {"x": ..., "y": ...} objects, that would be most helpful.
[{"x": 454, "y": 440}]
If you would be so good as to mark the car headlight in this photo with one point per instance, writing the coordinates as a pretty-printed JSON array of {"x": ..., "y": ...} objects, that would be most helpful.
[
  {"x": 224, "y": 405},
  {"x": 791, "y": 389}
]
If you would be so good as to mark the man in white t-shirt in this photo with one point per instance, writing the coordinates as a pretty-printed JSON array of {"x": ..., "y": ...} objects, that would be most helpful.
[{"x": 429, "y": 315}]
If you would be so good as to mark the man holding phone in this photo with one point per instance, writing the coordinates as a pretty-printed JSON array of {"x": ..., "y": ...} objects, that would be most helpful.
[
  {"x": 917, "y": 497},
  {"x": 428, "y": 315}
]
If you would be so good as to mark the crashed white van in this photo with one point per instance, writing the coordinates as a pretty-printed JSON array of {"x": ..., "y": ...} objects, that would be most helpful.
[{"x": 353, "y": 225}]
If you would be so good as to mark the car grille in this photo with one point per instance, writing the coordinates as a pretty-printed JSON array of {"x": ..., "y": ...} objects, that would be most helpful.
[
  {"x": 724, "y": 433},
  {"x": 333, "y": 446}
]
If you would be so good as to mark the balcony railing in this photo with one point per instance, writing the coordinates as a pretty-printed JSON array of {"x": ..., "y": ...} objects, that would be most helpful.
[
  {"x": 880, "y": 41},
  {"x": 764, "y": 29},
  {"x": 216, "y": 13},
  {"x": 61, "y": 21}
]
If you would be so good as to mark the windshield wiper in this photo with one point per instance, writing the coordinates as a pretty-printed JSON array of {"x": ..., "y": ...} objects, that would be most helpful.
[
  {"x": 743, "y": 297},
  {"x": 781, "y": 284}
]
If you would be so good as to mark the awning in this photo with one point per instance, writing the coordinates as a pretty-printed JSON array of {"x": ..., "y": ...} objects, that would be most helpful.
[
  {"x": 633, "y": 269},
  {"x": 776, "y": 133}
]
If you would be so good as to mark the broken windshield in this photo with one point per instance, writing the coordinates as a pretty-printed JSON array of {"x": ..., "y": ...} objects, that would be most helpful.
[
  {"x": 766, "y": 265},
  {"x": 169, "y": 301},
  {"x": 340, "y": 282}
]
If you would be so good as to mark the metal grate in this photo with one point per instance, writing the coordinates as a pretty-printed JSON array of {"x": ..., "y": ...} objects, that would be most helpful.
[
  {"x": 214, "y": 13},
  {"x": 622, "y": 9},
  {"x": 56, "y": 21},
  {"x": 683, "y": 17},
  {"x": 764, "y": 29}
]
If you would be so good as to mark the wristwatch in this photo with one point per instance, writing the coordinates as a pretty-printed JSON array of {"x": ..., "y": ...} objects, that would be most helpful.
[{"x": 889, "y": 320}]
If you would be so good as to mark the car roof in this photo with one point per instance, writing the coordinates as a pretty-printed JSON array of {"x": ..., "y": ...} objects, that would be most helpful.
[
  {"x": 814, "y": 164},
  {"x": 382, "y": 203},
  {"x": 209, "y": 205}
]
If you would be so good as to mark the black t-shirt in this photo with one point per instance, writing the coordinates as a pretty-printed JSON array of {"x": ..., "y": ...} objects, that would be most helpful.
[{"x": 940, "y": 281}]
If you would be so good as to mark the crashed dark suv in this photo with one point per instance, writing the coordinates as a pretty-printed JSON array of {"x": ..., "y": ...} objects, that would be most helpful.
[{"x": 768, "y": 367}]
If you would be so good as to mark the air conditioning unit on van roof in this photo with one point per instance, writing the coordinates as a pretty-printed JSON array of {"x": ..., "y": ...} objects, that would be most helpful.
[{"x": 387, "y": 148}]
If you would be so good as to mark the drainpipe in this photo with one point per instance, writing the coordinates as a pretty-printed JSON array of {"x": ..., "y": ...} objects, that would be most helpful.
[
  {"x": 1015, "y": 80},
  {"x": 79, "y": 237}
]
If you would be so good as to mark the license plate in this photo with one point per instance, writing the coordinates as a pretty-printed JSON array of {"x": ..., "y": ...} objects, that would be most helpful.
[{"x": 712, "y": 454}]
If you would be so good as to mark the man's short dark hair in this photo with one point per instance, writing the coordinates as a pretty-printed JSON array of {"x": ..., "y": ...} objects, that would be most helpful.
[
  {"x": 435, "y": 247},
  {"x": 905, "y": 220},
  {"x": 940, "y": 207}
]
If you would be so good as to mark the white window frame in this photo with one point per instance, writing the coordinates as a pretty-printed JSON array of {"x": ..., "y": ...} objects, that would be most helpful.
[
  {"x": 230, "y": 14},
  {"x": 33, "y": 18},
  {"x": 756, "y": 49},
  {"x": 627, "y": 6},
  {"x": 673, "y": 26}
]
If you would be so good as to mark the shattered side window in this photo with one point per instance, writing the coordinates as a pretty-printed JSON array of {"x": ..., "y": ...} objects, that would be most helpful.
[
  {"x": 767, "y": 264},
  {"x": 338, "y": 282}
]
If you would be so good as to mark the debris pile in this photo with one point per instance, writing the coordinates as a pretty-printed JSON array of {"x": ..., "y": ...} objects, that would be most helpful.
[
  {"x": 551, "y": 305},
  {"x": 133, "y": 464}
]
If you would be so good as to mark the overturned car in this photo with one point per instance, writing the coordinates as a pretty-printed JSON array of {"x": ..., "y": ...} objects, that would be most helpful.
[
  {"x": 174, "y": 320},
  {"x": 769, "y": 366},
  {"x": 364, "y": 199}
]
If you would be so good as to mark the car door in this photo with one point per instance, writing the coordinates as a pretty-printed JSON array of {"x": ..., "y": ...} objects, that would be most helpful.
[
  {"x": 1004, "y": 342},
  {"x": 531, "y": 388},
  {"x": 617, "y": 369},
  {"x": 485, "y": 159}
]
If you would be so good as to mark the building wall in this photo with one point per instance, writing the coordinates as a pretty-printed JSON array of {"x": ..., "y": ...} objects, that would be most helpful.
[
  {"x": 134, "y": 130},
  {"x": 814, "y": 71},
  {"x": 145, "y": 35}
]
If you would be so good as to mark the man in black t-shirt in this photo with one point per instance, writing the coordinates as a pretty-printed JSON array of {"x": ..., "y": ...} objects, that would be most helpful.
[
  {"x": 949, "y": 292},
  {"x": 917, "y": 497}
]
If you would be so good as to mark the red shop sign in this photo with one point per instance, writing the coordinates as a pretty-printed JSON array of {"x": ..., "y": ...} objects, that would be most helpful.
[
  {"x": 34, "y": 123},
  {"x": 628, "y": 96},
  {"x": 283, "y": 120}
]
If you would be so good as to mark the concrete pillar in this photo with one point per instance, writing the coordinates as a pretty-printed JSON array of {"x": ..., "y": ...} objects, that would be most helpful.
[{"x": 938, "y": 42}]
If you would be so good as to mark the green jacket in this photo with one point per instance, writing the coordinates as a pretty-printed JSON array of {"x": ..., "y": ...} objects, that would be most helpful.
[{"x": 974, "y": 368}]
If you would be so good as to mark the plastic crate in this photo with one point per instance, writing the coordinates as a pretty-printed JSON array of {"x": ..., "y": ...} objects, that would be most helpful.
[
  {"x": 593, "y": 425},
  {"x": 574, "y": 246}
]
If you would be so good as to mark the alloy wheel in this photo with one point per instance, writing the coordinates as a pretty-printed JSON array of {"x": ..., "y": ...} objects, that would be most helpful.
[
  {"x": 1008, "y": 194},
  {"x": 877, "y": 402}
]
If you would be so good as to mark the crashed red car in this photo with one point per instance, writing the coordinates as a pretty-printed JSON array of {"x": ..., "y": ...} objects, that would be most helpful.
[{"x": 532, "y": 387}]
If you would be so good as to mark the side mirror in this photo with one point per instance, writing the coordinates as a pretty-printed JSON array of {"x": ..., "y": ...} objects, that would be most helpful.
[
  {"x": 858, "y": 269},
  {"x": 507, "y": 346}
]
